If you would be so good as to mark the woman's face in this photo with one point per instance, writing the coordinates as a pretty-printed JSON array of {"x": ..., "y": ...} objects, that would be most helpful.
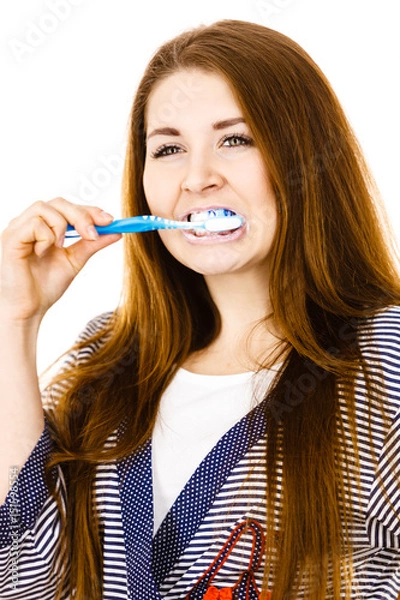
[{"x": 201, "y": 157}]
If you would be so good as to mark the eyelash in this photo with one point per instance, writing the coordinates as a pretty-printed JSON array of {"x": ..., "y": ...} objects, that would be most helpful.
[
  {"x": 162, "y": 151},
  {"x": 245, "y": 140}
]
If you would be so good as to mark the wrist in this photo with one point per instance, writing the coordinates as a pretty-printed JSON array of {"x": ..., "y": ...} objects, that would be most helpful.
[{"x": 18, "y": 333}]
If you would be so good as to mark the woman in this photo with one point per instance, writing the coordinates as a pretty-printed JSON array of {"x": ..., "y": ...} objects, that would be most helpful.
[{"x": 231, "y": 430}]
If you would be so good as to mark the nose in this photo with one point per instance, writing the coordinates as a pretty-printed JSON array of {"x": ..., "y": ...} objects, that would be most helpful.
[{"x": 202, "y": 175}]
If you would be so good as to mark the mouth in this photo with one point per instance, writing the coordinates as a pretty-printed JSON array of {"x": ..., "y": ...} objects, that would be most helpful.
[{"x": 199, "y": 216}]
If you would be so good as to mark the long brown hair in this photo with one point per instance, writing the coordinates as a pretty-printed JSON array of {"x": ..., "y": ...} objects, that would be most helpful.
[{"x": 331, "y": 266}]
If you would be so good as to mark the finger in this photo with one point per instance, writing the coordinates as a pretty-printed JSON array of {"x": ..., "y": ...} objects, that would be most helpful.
[
  {"x": 32, "y": 226},
  {"x": 44, "y": 224},
  {"x": 79, "y": 253},
  {"x": 23, "y": 237},
  {"x": 82, "y": 218},
  {"x": 42, "y": 236}
]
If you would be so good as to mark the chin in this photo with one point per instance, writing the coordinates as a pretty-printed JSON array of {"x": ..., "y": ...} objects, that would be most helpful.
[{"x": 212, "y": 268}]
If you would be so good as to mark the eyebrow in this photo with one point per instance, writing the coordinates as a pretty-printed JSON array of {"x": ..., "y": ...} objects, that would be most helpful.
[
  {"x": 218, "y": 125},
  {"x": 227, "y": 123}
]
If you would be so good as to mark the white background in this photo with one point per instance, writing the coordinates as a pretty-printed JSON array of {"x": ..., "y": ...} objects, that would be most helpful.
[{"x": 69, "y": 69}]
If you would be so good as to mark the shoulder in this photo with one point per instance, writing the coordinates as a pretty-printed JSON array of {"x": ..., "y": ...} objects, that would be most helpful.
[
  {"x": 95, "y": 326},
  {"x": 379, "y": 340},
  {"x": 90, "y": 339},
  {"x": 388, "y": 317},
  {"x": 382, "y": 330}
]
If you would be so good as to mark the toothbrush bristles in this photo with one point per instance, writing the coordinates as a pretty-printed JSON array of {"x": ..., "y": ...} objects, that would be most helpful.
[{"x": 217, "y": 224}]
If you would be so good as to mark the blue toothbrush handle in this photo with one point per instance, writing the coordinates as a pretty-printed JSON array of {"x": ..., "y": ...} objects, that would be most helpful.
[
  {"x": 129, "y": 225},
  {"x": 151, "y": 223}
]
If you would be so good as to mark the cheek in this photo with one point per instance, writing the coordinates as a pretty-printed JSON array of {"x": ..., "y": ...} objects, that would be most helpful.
[
  {"x": 172, "y": 243},
  {"x": 159, "y": 193},
  {"x": 263, "y": 208},
  {"x": 152, "y": 190},
  {"x": 148, "y": 182},
  {"x": 253, "y": 180}
]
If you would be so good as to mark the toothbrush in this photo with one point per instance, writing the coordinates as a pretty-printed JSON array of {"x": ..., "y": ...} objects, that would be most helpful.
[{"x": 151, "y": 223}]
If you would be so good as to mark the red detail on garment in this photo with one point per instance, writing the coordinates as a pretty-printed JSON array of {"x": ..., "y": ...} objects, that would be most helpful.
[
  {"x": 214, "y": 593},
  {"x": 246, "y": 586}
]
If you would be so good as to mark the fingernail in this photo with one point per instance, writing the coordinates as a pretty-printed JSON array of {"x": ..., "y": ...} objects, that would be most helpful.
[
  {"x": 60, "y": 241},
  {"x": 106, "y": 215},
  {"x": 92, "y": 232}
]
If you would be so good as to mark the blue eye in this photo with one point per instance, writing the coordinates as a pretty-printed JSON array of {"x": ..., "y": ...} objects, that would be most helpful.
[{"x": 166, "y": 150}]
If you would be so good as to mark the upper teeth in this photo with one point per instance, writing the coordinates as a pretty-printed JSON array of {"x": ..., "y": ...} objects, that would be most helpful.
[{"x": 202, "y": 215}]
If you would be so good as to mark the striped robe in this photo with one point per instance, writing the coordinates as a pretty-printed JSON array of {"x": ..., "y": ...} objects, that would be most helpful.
[{"x": 210, "y": 544}]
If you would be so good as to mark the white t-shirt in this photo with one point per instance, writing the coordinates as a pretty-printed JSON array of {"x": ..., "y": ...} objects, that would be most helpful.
[{"x": 195, "y": 412}]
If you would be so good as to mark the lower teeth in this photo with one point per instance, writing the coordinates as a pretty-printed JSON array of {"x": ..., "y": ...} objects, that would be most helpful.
[{"x": 203, "y": 232}]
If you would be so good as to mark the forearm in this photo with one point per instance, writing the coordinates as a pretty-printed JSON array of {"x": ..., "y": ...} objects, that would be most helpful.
[
  {"x": 21, "y": 412},
  {"x": 35, "y": 271}
]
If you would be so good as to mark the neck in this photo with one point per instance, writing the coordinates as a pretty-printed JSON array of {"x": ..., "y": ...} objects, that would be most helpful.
[{"x": 243, "y": 303}]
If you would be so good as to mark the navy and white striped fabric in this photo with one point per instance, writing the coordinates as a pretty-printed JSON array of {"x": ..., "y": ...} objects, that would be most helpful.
[{"x": 225, "y": 495}]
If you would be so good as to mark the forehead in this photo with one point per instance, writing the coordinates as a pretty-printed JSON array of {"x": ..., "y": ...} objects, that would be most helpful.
[{"x": 190, "y": 97}]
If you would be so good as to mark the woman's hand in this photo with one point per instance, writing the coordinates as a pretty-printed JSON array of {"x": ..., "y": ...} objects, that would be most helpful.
[{"x": 36, "y": 268}]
